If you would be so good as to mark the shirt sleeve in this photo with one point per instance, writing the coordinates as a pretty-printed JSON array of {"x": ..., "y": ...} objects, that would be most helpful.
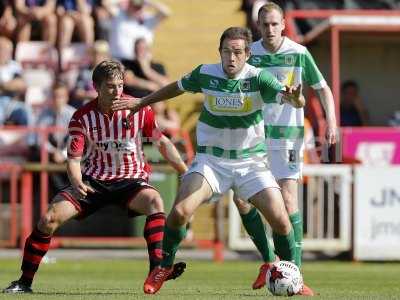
[
  {"x": 191, "y": 82},
  {"x": 150, "y": 127},
  {"x": 269, "y": 87},
  {"x": 311, "y": 73},
  {"x": 76, "y": 140}
]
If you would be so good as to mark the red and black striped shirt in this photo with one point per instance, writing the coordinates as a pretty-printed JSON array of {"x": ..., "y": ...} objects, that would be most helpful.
[{"x": 111, "y": 146}]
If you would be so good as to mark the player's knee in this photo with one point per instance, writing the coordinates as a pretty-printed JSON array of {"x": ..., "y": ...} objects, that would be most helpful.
[
  {"x": 156, "y": 204},
  {"x": 281, "y": 224},
  {"x": 48, "y": 223},
  {"x": 243, "y": 206},
  {"x": 181, "y": 215}
]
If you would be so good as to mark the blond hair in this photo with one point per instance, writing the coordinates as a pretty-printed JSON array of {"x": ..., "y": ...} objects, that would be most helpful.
[{"x": 268, "y": 7}]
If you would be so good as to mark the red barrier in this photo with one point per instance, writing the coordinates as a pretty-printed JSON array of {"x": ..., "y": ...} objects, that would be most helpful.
[{"x": 13, "y": 170}]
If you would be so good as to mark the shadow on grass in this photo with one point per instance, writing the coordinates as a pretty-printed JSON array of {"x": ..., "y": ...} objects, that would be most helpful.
[{"x": 88, "y": 293}]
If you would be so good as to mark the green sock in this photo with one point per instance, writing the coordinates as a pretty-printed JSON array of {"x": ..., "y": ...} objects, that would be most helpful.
[
  {"x": 171, "y": 241},
  {"x": 285, "y": 246},
  {"x": 255, "y": 228},
  {"x": 297, "y": 224}
]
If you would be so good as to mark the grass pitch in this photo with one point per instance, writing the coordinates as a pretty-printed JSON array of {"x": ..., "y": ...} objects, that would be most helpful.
[{"x": 123, "y": 279}]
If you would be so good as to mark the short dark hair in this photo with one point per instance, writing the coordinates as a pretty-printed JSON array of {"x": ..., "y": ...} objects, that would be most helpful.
[
  {"x": 107, "y": 69},
  {"x": 268, "y": 7},
  {"x": 235, "y": 33},
  {"x": 350, "y": 84}
]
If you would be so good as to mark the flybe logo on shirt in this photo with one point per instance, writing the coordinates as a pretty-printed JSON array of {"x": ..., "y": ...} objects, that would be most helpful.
[
  {"x": 110, "y": 146},
  {"x": 231, "y": 103}
]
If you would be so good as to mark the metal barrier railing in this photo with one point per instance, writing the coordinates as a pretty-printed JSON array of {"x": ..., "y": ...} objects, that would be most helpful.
[{"x": 326, "y": 203}]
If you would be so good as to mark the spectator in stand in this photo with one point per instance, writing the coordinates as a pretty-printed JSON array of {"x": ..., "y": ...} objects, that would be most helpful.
[
  {"x": 58, "y": 114},
  {"x": 36, "y": 11},
  {"x": 84, "y": 90},
  {"x": 142, "y": 74},
  {"x": 104, "y": 11},
  {"x": 7, "y": 20},
  {"x": 13, "y": 110},
  {"x": 352, "y": 109},
  {"x": 132, "y": 23},
  {"x": 75, "y": 14},
  {"x": 12, "y": 88}
]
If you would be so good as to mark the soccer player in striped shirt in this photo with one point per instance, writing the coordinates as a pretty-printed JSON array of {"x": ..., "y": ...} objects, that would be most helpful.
[
  {"x": 231, "y": 147},
  {"x": 113, "y": 172},
  {"x": 292, "y": 64}
]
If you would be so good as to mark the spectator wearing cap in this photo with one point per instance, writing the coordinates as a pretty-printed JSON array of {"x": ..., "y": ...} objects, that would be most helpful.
[{"x": 133, "y": 22}]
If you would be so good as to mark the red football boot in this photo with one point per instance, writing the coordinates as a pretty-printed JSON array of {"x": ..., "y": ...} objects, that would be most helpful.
[
  {"x": 262, "y": 275},
  {"x": 306, "y": 291},
  {"x": 156, "y": 279}
]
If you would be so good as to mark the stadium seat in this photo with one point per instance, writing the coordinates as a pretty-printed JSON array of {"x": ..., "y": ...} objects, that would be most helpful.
[
  {"x": 36, "y": 54},
  {"x": 74, "y": 56},
  {"x": 39, "y": 83}
]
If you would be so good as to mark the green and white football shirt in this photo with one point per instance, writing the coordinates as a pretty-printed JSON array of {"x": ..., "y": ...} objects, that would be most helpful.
[
  {"x": 292, "y": 64},
  {"x": 231, "y": 123}
]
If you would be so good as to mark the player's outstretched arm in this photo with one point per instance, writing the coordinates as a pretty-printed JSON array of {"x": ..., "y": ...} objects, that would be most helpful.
[
  {"x": 293, "y": 96},
  {"x": 169, "y": 91},
  {"x": 171, "y": 154}
]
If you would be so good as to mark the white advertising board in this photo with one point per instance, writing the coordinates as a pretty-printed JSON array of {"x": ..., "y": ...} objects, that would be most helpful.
[{"x": 377, "y": 213}]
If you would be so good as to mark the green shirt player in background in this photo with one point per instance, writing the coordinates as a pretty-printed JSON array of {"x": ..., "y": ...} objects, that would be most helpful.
[
  {"x": 230, "y": 150},
  {"x": 292, "y": 64}
]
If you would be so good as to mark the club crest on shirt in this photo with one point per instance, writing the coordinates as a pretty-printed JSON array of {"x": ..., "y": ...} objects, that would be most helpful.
[
  {"x": 245, "y": 85},
  {"x": 289, "y": 60},
  {"x": 255, "y": 60}
]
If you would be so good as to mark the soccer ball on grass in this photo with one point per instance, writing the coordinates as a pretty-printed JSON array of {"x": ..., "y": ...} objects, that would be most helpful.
[{"x": 284, "y": 279}]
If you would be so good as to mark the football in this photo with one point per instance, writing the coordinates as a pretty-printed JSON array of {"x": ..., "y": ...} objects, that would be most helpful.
[{"x": 284, "y": 279}]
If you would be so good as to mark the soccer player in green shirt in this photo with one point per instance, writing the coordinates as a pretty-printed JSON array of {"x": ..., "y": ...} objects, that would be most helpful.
[
  {"x": 230, "y": 145},
  {"x": 291, "y": 64}
]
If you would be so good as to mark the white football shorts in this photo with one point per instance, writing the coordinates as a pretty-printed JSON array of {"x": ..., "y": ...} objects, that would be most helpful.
[{"x": 246, "y": 176}]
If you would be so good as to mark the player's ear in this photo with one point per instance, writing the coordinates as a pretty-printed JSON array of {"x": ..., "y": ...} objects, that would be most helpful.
[{"x": 248, "y": 53}]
